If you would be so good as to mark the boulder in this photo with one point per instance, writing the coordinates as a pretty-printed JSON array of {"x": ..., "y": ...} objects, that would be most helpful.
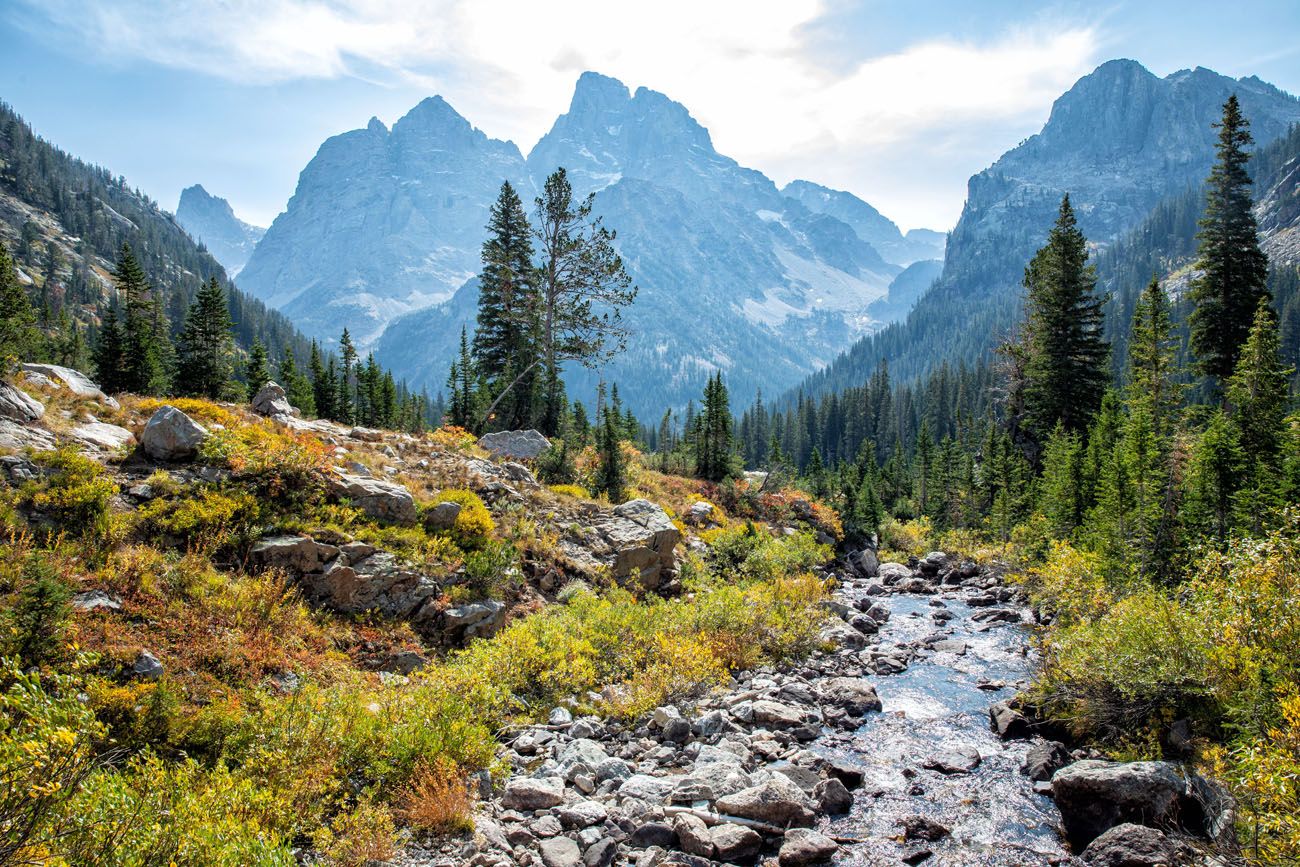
[
  {"x": 638, "y": 541},
  {"x": 295, "y": 555},
  {"x": 840, "y": 633},
  {"x": 18, "y": 436},
  {"x": 865, "y": 562},
  {"x": 892, "y": 573},
  {"x": 775, "y": 714},
  {"x": 532, "y": 793},
  {"x": 1008, "y": 722},
  {"x": 953, "y": 762},
  {"x": 171, "y": 435},
  {"x": 1129, "y": 845},
  {"x": 693, "y": 836},
  {"x": 74, "y": 381},
  {"x": 853, "y": 695},
  {"x": 560, "y": 852},
  {"x": 383, "y": 501},
  {"x": 520, "y": 444},
  {"x": 17, "y": 405},
  {"x": 1095, "y": 796},
  {"x": 832, "y": 796},
  {"x": 272, "y": 401},
  {"x": 442, "y": 516},
  {"x": 734, "y": 843},
  {"x": 699, "y": 514},
  {"x": 777, "y": 801},
  {"x": 924, "y": 828},
  {"x": 103, "y": 435},
  {"x": 803, "y": 846},
  {"x": 147, "y": 666},
  {"x": 96, "y": 600},
  {"x": 1044, "y": 759}
]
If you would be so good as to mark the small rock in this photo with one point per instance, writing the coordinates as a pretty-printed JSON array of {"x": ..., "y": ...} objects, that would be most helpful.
[
  {"x": 529, "y": 793},
  {"x": 560, "y": 852},
  {"x": 923, "y": 828},
  {"x": 1129, "y": 845},
  {"x": 147, "y": 666},
  {"x": 734, "y": 843},
  {"x": 693, "y": 835},
  {"x": 96, "y": 600},
  {"x": 832, "y": 797},
  {"x": 803, "y": 846}
]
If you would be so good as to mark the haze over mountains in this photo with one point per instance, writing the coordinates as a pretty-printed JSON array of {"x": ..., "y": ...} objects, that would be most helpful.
[
  {"x": 211, "y": 220},
  {"x": 765, "y": 284},
  {"x": 383, "y": 234}
]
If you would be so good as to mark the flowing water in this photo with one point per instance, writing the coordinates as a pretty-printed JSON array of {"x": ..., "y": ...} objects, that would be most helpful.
[{"x": 936, "y": 708}]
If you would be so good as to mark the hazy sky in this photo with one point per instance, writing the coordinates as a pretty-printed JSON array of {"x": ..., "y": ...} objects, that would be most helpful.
[{"x": 898, "y": 102}]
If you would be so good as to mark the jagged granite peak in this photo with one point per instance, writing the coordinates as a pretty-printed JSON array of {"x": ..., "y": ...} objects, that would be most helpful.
[
  {"x": 210, "y": 220},
  {"x": 872, "y": 226},
  {"x": 383, "y": 222},
  {"x": 1119, "y": 142}
]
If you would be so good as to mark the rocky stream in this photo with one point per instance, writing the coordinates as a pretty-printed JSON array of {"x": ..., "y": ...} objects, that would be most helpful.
[{"x": 896, "y": 745}]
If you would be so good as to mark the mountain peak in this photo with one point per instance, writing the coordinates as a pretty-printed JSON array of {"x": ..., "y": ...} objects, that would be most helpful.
[
  {"x": 594, "y": 91},
  {"x": 376, "y": 125},
  {"x": 210, "y": 219}
]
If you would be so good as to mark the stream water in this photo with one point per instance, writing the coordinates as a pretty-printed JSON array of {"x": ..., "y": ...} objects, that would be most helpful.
[{"x": 937, "y": 708}]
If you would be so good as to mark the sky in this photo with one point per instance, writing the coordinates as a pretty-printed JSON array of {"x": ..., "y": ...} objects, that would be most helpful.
[{"x": 896, "y": 102}]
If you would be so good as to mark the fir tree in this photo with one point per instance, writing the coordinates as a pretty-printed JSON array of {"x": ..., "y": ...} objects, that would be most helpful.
[
  {"x": 462, "y": 382},
  {"x": 1258, "y": 393},
  {"x": 109, "y": 354},
  {"x": 206, "y": 344},
  {"x": 1234, "y": 269},
  {"x": 1213, "y": 479},
  {"x": 345, "y": 405},
  {"x": 258, "y": 370},
  {"x": 144, "y": 339},
  {"x": 714, "y": 436},
  {"x": 611, "y": 474},
  {"x": 297, "y": 387},
  {"x": 1065, "y": 366},
  {"x": 506, "y": 341},
  {"x": 18, "y": 335},
  {"x": 1062, "y": 488},
  {"x": 322, "y": 384}
]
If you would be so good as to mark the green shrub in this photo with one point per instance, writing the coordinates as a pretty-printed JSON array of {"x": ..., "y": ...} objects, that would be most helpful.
[
  {"x": 39, "y": 617},
  {"x": 74, "y": 492},
  {"x": 474, "y": 525},
  {"x": 205, "y": 517}
]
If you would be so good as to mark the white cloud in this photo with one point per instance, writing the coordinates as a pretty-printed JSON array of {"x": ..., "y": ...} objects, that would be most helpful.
[{"x": 743, "y": 67}]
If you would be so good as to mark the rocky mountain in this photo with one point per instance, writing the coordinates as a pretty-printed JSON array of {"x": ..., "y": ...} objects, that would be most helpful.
[
  {"x": 383, "y": 222},
  {"x": 384, "y": 230},
  {"x": 733, "y": 274},
  {"x": 873, "y": 227},
  {"x": 907, "y": 287},
  {"x": 1119, "y": 141},
  {"x": 210, "y": 220}
]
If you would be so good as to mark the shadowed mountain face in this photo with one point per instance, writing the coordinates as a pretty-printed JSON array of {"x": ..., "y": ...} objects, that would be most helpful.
[
  {"x": 872, "y": 226},
  {"x": 1119, "y": 141},
  {"x": 209, "y": 219},
  {"x": 385, "y": 229}
]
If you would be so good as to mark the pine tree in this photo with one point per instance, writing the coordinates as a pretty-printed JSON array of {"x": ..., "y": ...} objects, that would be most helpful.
[
  {"x": 1234, "y": 269},
  {"x": 507, "y": 339},
  {"x": 1153, "y": 371},
  {"x": 1065, "y": 366},
  {"x": 1062, "y": 499},
  {"x": 1213, "y": 479},
  {"x": 144, "y": 339},
  {"x": 714, "y": 436},
  {"x": 18, "y": 334},
  {"x": 345, "y": 405},
  {"x": 258, "y": 371},
  {"x": 924, "y": 463},
  {"x": 611, "y": 474},
  {"x": 583, "y": 288},
  {"x": 1258, "y": 393},
  {"x": 206, "y": 344},
  {"x": 322, "y": 384},
  {"x": 298, "y": 388},
  {"x": 109, "y": 354},
  {"x": 462, "y": 382}
]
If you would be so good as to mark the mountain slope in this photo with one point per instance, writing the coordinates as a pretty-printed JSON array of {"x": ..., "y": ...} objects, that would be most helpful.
[
  {"x": 66, "y": 220},
  {"x": 383, "y": 222},
  {"x": 1119, "y": 141},
  {"x": 872, "y": 226},
  {"x": 210, "y": 220},
  {"x": 733, "y": 275}
]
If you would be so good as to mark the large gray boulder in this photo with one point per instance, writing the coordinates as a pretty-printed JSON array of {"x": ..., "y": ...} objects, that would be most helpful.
[
  {"x": 171, "y": 435},
  {"x": 272, "y": 401},
  {"x": 531, "y": 793},
  {"x": 383, "y": 501},
  {"x": 778, "y": 801},
  {"x": 1095, "y": 796},
  {"x": 525, "y": 444},
  {"x": 853, "y": 695},
  {"x": 74, "y": 381},
  {"x": 638, "y": 541},
  {"x": 17, "y": 405}
]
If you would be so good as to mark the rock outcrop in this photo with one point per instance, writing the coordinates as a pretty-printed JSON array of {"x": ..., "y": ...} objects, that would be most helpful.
[
  {"x": 518, "y": 444},
  {"x": 171, "y": 435},
  {"x": 383, "y": 501},
  {"x": 272, "y": 402},
  {"x": 74, "y": 381},
  {"x": 636, "y": 541},
  {"x": 19, "y": 406}
]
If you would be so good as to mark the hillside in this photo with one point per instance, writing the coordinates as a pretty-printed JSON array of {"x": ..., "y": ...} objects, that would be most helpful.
[
  {"x": 1119, "y": 141},
  {"x": 65, "y": 222}
]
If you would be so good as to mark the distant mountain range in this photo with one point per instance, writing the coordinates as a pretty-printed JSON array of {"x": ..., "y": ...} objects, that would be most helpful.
[
  {"x": 1119, "y": 142},
  {"x": 383, "y": 235},
  {"x": 210, "y": 220}
]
